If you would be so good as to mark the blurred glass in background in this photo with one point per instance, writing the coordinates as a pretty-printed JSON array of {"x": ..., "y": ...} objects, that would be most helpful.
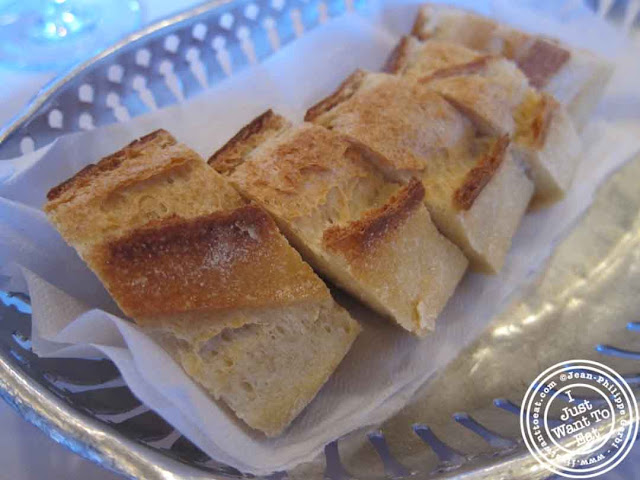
[{"x": 49, "y": 34}]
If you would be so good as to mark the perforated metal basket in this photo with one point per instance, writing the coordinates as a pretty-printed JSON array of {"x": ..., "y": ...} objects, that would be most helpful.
[{"x": 463, "y": 424}]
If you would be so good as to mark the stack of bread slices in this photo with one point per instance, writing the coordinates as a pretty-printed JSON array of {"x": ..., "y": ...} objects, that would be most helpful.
[{"x": 391, "y": 188}]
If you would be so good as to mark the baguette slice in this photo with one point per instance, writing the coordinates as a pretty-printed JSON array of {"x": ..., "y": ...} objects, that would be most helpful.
[
  {"x": 370, "y": 235},
  {"x": 575, "y": 77},
  {"x": 208, "y": 276},
  {"x": 494, "y": 93},
  {"x": 474, "y": 190}
]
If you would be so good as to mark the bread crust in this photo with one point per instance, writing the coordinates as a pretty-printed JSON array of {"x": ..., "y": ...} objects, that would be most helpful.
[
  {"x": 417, "y": 30},
  {"x": 542, "y": 61},
  {"x": 399, "y": 121},
  {"x": 227, "y": 158},
  {"x": 298, "y": 173},
  {"x": 478, "y": 177},
  {"x": 358, "y": 238},
  {"x": 542, "y": 120},
  {"x": 343, "y": 93},
  {"x": 150, "y": 179},
  {"x": 399, "y": 56},
  {"x": 576, "y": 77},
  {"x": 539, "y": 58},
  {"x": 485, "y": 167},
  {"x": 226, "y": 260},
  {"x": 497, "y": 96},
  {"x": 470, "y": 68},
  {"x": 482, "y": 27},
  {"x": 159, "y": 138},
  {"x": 368, "y": 232},
  {"x": 481, "y": 100},
  {"x": 422, "y": 18}
]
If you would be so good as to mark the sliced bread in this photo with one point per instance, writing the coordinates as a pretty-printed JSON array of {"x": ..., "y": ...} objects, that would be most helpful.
[
  {"x": 209, "y": 276},
  {"x": 475, "y": 191},
  {"x": 369, "y": 234}
]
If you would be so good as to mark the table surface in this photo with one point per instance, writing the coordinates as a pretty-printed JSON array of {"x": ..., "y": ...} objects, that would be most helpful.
[{"x": 25, "y": 452}]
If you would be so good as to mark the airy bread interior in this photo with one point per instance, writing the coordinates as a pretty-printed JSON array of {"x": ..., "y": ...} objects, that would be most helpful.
[
  {"x": 184, "y": 255},
  {"x": 370, "y": 235},
  {"x": 268, "y": 369}
]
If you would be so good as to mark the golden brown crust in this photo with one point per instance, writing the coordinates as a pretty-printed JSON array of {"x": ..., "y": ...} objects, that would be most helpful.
[
  {"x": 150, "y": 179},
  {"x": 399, "y": 56},
  {"x": 481, "y": 34},
  {"x": 226, "y": 260},
  {"x": 475, "y": 31},
  {"x": 400, "y": 121},
  {"x": 344, "y": 92},
  {"x": 478, "y": 177},
  {"x": 231, "y": 155},
  {"x": 417, "y": 30},
  {"x": 470, "y": 68},
  {"x": 542, "y": 61},
  {"x": 295, "y": 173},
  {"x": 535, "y": 116},
  {"x": 542, "y": 119},
  {"x": 85, "y": 176},
  {"x": 357, "y": 238}
]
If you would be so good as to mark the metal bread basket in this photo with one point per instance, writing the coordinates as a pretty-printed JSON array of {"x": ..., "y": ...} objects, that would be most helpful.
[{"x": 463, "y": 424}]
